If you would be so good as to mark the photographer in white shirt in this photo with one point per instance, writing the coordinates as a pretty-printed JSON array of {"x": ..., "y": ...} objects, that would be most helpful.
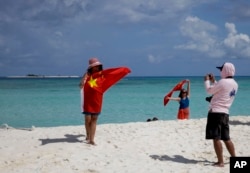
[{"x": 223, "y": 93}]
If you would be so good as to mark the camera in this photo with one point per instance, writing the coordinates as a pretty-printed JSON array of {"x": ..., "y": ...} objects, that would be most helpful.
[
  {"x": 210, "y": 76},
  {"x": 208, "y": 99}
]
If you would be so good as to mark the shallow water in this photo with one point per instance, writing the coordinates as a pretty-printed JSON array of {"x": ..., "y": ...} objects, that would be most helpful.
[{"x": 47, "y": 102}]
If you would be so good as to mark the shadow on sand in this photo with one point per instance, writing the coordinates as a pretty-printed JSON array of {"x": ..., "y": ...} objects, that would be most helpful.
[
  {"x": 237, "y": 122},
  {"x": 179, "y": 159},
  {"x": 68, "y": 138}
]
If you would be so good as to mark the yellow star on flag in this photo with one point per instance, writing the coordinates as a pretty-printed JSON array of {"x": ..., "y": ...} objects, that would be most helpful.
[{"x": 92, "y": 82}]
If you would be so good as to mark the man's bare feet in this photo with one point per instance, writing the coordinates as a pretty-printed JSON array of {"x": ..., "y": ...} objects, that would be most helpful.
[{"x": 217, "y": 164}]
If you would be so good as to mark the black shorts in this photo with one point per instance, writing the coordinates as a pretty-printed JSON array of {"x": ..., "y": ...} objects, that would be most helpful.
[{"x": 217, "y": 126}]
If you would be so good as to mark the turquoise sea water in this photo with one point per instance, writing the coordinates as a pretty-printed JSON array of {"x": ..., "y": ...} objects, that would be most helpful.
[{"x": 48, "y": 102}]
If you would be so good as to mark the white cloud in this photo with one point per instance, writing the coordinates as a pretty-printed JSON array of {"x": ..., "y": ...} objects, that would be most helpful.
[
  {"x": 231, "y": 28},
  {"x": 154, "y": 59},
  {"x": 201, "y": 37},
  {"x": 233, "y": 40},
  {"x": 57, "y": 11},
  {"x": 237, "y": 43},
  {"x": 124, "y": 11}
]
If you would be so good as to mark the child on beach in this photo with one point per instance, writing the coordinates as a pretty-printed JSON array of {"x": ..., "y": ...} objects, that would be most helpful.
[{"x": 183, "y": 99}]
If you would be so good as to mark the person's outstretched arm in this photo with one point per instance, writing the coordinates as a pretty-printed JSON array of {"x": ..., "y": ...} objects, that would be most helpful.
[{"x": 174, "y": 98}]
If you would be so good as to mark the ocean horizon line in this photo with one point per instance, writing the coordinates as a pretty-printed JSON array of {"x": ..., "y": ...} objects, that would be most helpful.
[
  {"x": 76, "y": 76},
  {"x": 42, "y": 76}
]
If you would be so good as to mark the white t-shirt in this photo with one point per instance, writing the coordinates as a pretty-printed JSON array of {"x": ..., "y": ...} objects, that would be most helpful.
[
  {"x": 223, "y": 93},
  {"x": 84, "y": 78},
  {"x": 82, "y": 100}
]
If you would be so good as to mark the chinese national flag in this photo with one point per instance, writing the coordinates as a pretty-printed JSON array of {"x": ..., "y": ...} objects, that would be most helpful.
[
  {"x": 177, "y": 87},
  {"x": 97, "y": 84}
]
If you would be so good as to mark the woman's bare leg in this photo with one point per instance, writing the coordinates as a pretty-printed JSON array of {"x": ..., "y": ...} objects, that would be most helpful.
[
  {"x": 87, "y": 126},
  {"x": 93, "y": 129}
]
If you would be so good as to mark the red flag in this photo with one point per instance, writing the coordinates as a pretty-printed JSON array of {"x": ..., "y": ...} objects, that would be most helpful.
[
  {"x": 97, "y": 84},
  {"x": 177, "y": 87}
]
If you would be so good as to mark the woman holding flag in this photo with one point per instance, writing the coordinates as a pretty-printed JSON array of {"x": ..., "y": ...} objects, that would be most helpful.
[
  {"x": 90, "y": 117},
  {"x": 97, "y": 82},
  {"x": 183, "y": 99}
]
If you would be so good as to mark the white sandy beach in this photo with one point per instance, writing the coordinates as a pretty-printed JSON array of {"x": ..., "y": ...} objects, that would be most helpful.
[{"x": 158, "y": 146}]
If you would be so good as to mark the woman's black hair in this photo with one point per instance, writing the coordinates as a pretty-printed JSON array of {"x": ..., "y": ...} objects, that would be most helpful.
[
  {"x": 100, "y": 68},
  {"x": 180, "y": 94}
]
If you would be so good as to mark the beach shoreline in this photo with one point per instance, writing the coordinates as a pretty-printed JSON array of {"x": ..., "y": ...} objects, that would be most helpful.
[{"x": 156, "y": 146}]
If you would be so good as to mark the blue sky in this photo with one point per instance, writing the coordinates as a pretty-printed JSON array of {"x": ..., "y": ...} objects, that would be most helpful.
[{"x": 152, "y": 38}]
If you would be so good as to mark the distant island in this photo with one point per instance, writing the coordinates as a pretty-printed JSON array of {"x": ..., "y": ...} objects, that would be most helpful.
[
  {"x": 42, "y": 76},
  {"x": 32, "y": 75}
]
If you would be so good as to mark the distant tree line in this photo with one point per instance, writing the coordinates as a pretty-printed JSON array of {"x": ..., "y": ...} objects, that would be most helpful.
[{"x": 32, "y": 75}]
